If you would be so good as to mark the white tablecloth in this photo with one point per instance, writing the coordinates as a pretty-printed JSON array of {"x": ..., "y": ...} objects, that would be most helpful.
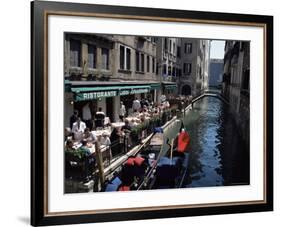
[
  {"x": 101, "y": 132},
  {"x": 106, "y": 120},
  {"x": 117, "y": 124}
]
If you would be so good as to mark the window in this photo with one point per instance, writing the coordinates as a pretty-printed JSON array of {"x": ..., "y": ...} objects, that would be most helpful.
[
  {"x": 137, "y": 61},
  {"x": 188, "y": 48},
  {"x": 166, "y": 44},
  {"x": 122, "y": 57},
  {"x": 157, "y": 68},
  {"x": 174, "y": 48},
  {"x": 178, "y": 51},
  {"x": 142, "y": 62},
  {"x": 125, "y": 58},
  {"x": 105, "y": 58},
  {"x": 147, "y": 63},
  {"x": 169, "y": 70},
  {"x": 75, "y": 53},
  {"x": 153, "y": 39},
  {"x": 170, "y": 46},
  {"x": 246, "y": 80},
  {"x": 164, "y": 69},
  {"x": 187, "y": 68},
  {"x": 174, "y": 71},
  {"x": 128, "y": 58},
  {"x": 153, "y": 65},
  {"x": 92, "y": 56}
]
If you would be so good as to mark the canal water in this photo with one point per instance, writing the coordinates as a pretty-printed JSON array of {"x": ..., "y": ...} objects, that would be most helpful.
[{"x": 217, "y": 154}]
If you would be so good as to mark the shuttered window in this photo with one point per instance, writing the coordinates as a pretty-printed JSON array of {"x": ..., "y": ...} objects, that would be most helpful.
[
  {"x": 75, "y": 53},
  {"x": 142, "y": 62},
  {"x": 128, "y": 59},
  {"x": 137, "y": 61},
  {"x": 92, "y": 56},
  {"x": 105, "y": 58},
  {"x": 147, "y": 63},
  {"x": 187, "y": 68},
  {"x": 122, "y": 57}
]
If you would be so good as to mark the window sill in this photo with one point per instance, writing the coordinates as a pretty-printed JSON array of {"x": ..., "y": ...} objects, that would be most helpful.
[
  {"x": 92, "y": 69},
  {"x": 75, "y": 69},
  {"x": 105, "y": 70},
  {"x": 124, "y": 71}
]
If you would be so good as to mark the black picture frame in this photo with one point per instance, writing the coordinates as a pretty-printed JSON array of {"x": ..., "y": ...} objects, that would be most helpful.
[{"x": 39, "y": 96}]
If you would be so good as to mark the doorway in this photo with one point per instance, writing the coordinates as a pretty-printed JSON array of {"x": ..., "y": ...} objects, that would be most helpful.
[{"x": 109, "y": 108}]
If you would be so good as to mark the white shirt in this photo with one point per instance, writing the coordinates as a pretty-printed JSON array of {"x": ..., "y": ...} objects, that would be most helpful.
[
  {"x": 105, "y": 141},
  {"x": 136, "y": 105},
  {"x": 122, "y": 110},
  {"x": 76, "y": 129},
  {"x": 86, "y": 112},
  {"x": 163, "y": 98},
  {"x": 92, "y": 137}
]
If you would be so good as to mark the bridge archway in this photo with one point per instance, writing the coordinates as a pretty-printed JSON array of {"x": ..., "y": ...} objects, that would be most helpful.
[{"x": 186, "y": 90}]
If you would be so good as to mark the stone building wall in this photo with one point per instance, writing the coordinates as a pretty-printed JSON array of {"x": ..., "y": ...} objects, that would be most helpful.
[
  {"x": 135, "y": 44},
  {"x": 236, "y": 84},
  {"x": 199, "y": 58}
]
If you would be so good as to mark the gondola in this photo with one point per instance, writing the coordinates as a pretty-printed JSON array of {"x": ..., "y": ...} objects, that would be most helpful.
[{"x": 153, "y": 167}]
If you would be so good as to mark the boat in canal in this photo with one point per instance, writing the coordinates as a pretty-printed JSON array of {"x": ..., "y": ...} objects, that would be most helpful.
[{"x": 153, "y": 167}]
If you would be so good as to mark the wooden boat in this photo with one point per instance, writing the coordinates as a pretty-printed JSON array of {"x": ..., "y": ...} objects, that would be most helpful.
[{"x": 152, "y": 167}]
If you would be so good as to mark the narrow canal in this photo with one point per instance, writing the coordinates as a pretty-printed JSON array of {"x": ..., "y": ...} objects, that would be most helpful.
[{"x": 217, "y": 154}]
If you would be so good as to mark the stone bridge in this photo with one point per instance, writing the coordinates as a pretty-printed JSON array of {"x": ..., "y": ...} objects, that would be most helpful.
[{"x": 210, "y": 93}]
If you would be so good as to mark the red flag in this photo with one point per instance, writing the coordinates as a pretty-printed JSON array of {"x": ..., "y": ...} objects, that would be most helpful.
[{"x": 183, "y": 141}]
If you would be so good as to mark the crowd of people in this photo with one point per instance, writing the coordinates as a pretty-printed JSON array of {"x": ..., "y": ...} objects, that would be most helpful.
[
  {"x": 114, "y": 138},
  {"x": 81, "y": 137}
]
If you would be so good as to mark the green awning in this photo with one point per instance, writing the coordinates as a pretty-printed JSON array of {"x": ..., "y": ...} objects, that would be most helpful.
[
  {"x": 110, "y": 88},
  {"x": 90, "y": 93},
  {"x": 155, "y": 86},
  {"x": 88, "y": 89},
  {"x": 94, "y": 95},
  {"x": 67, "y": 86},
  {"x": 135, "y": 87},
  {"x": 170, "y": 87},
  {"x": 130, "y": 90}
]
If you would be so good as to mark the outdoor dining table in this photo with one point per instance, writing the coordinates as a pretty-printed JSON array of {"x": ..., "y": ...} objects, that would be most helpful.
[
  {"x": 117, "y": 124},
  {"x": 132, "y": 118},
  {"x": 93, "y": 148},
  {"x": 101, "y": 132}
]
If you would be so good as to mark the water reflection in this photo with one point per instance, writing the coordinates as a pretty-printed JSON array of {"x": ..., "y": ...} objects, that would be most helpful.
[{"x": 218, "y": 156}]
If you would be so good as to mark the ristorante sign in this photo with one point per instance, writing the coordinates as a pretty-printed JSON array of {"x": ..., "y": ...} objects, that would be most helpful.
[
  {"x": 104, "y": 94},
  {"x": 94, "y": 95},
  {"x": 133, "y": 91}
]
